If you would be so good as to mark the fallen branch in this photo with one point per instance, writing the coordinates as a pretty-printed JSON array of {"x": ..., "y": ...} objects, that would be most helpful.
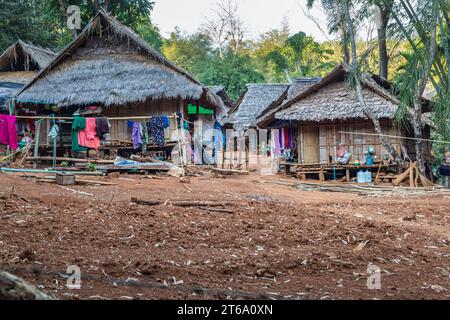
[
  {"x": 76, "y": 191},
  {"x": 178, "y": 203},
  {"x": 216, "y": 209},
  {"x": 231, "y": 171}
]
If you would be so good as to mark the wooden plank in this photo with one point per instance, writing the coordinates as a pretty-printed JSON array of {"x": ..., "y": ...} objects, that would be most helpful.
[
  {"x": 401, "y": 178},
  {"x": 72, "y": 160},
  {"x": 411, "y": 176}
]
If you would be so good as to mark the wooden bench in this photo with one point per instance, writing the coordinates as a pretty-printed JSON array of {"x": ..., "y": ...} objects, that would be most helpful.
[{"x": 303, "y": 172}]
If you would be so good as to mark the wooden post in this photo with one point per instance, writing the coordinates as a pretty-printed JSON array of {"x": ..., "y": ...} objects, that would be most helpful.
[
  {"x": 321, "y": 175},
  {"x": 54, "y": 145},
  {"x": 37, "y": 137},
  {"x": 299, "y": 147},
  {"x": 180, "y": 148},
  {"x": 411, "y": 175},
  {"x": 347, "y": 174}
]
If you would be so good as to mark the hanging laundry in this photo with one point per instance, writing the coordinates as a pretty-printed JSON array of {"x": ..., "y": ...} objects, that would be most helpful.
[
  {"x": 185, "y": 123},
  {"x": 87, "y": 137},
  {"x": 54, "y": 131},
  {"x": 166, "y": 121},
  {"x": 179, "y": 117},
  {"x": 137, "y": 135},
  {"x": 157, "y": 126},
  {"x": 8, "y": 132},
  {"x": 78, "y": 124},
  {"x": 286, "y": 138},
  {"x": 277, "y": 142},
  {"x": 101, "y": 127},
  {"x": 218, "y": 138}
]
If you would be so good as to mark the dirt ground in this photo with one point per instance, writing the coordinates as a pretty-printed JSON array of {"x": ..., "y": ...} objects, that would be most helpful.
[{"x": 277, "y": 243}]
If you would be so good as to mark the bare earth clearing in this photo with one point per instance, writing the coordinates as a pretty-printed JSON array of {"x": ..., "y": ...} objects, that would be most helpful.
[{"x": 278, "y": 242}]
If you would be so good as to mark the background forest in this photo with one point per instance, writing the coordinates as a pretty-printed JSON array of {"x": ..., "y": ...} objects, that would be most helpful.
[{"x": 218, "y": 54}]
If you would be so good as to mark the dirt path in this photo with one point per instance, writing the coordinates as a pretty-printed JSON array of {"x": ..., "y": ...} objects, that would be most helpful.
[{"x": 278, "y": 242}]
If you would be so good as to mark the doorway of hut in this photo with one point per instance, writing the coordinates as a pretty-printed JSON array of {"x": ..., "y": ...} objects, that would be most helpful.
[{"x": 309, "y": 144}]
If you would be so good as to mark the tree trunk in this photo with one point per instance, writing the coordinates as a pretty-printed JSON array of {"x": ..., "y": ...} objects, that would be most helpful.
[
  {"x": 382, "y": 49},
  {"x": 359, "y": 91},
  {"x": 385, "y": 14},
  {"x": 288, "y": 75},
  {"x": 63, "y": 9},
  {"x": 417, "y": 121},
  {"x": 344, "y": 36},
  {"x": 299, "y": 68}
]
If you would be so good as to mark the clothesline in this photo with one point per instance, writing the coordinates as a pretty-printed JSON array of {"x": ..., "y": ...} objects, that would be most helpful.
[
  {"x": 394, "y": 137},
  {"x": 109, "y": 118}
]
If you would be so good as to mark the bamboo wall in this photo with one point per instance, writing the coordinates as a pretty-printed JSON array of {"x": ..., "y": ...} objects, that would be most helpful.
[{"x": 318, "y": 143}]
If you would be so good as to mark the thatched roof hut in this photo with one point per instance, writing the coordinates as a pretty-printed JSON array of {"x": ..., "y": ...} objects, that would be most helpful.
[
  {"x": 256, "y": 99},
  {"x": 327, "y": 114},
  {"x": 109, "y": 65},
  {"x": 295, "y": 88},
  {"x": 21, "y": 61},
  {"x": 19, "y": 64},
  {"x": 331, "y": 100}
]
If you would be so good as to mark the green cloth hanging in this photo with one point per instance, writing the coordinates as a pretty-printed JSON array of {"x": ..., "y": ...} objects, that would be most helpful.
[{"x": 78, "y": 124}]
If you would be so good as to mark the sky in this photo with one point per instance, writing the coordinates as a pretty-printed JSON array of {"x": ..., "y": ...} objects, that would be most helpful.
[{"x": 259, "y": 16}]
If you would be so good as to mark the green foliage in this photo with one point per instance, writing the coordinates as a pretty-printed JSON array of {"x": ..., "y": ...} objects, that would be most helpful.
[
  {"x": 187, "y": 51},
  {"x": 196, "y": 54},
  {"x": 91, "y": 167},
  {"x": 301, "y": 56},
  {"x": 44, "y": 23},
  {"x": 232, "y": 71}
]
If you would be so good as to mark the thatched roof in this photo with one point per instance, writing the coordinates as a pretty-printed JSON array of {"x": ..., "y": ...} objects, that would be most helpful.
[
  {"x": 330, "y": 99},
  {"x": 18, "y": 65},
  {"x": 109, "y": 64},
  {"x": 20, "y": 62},
  {"x": 296, "y": 87},
  {"x": 222, "y": 93},
  {"x": 335, "y": 102},
  {"x": 7, "y": 90},
  {"x": 256, "y": 99},
  {"x": 299, "y": 85}
]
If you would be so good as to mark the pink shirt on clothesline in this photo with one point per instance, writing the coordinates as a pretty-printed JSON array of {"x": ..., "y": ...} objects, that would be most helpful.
[{"x": 87, "y": 137}]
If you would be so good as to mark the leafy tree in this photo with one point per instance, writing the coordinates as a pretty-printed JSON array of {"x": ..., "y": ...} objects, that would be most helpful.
[
  {"x": 187, "y": 51},
  {"x": 300, "y": 56},
  {"x": 232, "y": 71},
  {"x": 44, "y": 22}
]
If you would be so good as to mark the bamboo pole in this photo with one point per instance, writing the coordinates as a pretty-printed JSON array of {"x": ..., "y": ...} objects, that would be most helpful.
[
  {"x": 54, "y": 145},
  {"x": 36, "y": 143},
  {"x": 180, "y": 149},
  {"x": 109, "y": 118},
  {"x": 76, "y": 173},
  {"x": 390, "y": 136}
]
